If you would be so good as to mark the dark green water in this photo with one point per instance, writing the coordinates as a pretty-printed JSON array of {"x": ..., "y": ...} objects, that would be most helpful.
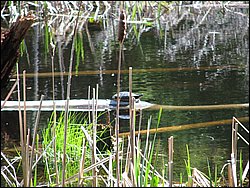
[{"x": 215, "y": 62}]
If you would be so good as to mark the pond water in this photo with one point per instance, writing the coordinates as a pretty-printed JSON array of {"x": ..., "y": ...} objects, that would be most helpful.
[{"x": 194, "y": 62}]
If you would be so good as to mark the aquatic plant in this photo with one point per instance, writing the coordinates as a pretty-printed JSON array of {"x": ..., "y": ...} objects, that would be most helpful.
[{"x": 76, "y": 141}]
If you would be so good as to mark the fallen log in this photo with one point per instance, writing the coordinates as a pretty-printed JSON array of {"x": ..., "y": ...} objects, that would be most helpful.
[{"x": 10, "y": 42}]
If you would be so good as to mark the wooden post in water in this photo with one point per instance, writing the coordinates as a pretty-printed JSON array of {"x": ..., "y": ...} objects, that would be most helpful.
[{"x": 170, "y": 160}]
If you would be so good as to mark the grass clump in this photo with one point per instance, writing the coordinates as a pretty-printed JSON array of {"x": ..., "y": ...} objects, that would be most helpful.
[{"x": 74, "y": 146}]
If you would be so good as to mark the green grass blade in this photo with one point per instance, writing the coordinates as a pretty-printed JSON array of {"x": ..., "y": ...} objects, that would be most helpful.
[
  {"x": 241, "y": 169},
  {"x": 151, "y": 151},
  {"x": 209, "y": 173}
]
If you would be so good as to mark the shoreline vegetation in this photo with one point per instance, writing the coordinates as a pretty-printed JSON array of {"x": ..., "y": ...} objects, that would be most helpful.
[{"x": 69, "y": 152}]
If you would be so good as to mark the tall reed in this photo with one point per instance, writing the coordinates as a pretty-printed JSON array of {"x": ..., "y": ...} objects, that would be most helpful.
[
  {"x": 67, "y": 100},
  {"x": 188, "y": 168},
  {"x": 121, "y": 36}
]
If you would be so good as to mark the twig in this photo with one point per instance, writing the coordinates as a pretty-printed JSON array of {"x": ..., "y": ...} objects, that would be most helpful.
[
  {"x": 14, "y": 177},
  {"x": 9, "y": 94}
]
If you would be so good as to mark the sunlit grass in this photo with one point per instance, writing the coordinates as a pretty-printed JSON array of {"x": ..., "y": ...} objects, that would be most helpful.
[{"x": 74, "y": 144}]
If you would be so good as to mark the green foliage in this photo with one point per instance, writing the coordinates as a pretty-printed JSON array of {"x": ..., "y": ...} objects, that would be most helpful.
[
  {"x": 79, "y": 49},
  {"x": 187, "y": 163},
  {"x": 75, "y": 138},
  {"x": 188, "y": 167},
  {"x": 149, "y": 24},
  {"x": 137, "y": 164},
  {"x": 154, "y": 181},
  {"x": 134, "y": 13},
  {"x": 151, "y": 151},
  {"x": 209, "y": 173},
  {"x": 45, "y": 8},
  {"x": 35, "y": 174},
  {"x": 74, "y": 145},
  {"x": 91, "y": 20},
  {"x": 180, "y": 178},
  {"x": 46, "y": 38},
  {"x": 241, "y": 169}
]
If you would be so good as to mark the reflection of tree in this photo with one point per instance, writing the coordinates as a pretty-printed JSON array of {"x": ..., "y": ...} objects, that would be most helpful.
[
  {"x": 203, "y": 31},
  {"x": 187, "y": 35}
]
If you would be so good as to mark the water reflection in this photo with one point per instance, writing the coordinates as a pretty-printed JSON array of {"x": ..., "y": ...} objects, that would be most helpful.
[{"x": 197, "y": 58}]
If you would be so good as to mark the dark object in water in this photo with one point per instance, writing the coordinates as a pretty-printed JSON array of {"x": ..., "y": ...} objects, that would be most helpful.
[
  {"x": 124, "y": 98},
  {"x": 122, "y": 27}
]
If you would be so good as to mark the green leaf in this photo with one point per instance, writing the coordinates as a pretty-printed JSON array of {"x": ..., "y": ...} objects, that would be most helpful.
[
  {"x": 91, "y": 20},
  {"x": 154, "y": 182}
]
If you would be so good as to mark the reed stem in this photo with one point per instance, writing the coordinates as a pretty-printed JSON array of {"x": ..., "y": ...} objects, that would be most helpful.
[
  {"x": 67, "y": 102},
  {"x": 94, "y": 170},
  {"x": 21, "y": 128},
  {"x": 34, "y": 135}
]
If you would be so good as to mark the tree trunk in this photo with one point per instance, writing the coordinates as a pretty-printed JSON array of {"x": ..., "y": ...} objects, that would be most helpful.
[{"x": 10, "y": 42}]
